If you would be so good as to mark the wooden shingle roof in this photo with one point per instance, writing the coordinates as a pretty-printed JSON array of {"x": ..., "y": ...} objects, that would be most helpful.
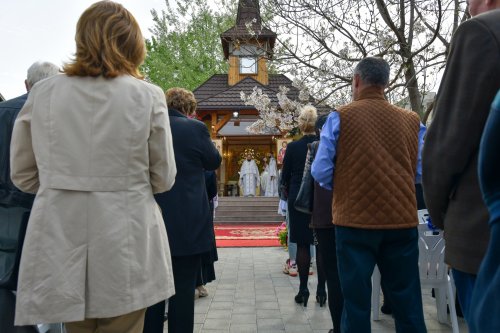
[{"x": 216, "y": 94}]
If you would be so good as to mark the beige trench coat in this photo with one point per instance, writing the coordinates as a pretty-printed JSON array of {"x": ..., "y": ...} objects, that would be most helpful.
[{"x": 94, "y": 151}]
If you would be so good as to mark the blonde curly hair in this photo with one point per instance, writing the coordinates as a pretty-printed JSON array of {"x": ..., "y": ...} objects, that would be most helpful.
[
  {"x": 307, "y": 119},
  {"x": 181, "y": 99}
]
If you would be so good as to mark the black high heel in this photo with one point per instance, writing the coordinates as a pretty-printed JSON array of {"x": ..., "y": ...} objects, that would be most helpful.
[
  {"x": 321, "y": 297},
  {"x": 302, "y": 297}
]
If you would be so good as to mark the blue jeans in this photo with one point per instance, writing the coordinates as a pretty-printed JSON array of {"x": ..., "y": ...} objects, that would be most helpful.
[
  {"x": 465, "y": 286},
  {"x": 396, "y": 254}
]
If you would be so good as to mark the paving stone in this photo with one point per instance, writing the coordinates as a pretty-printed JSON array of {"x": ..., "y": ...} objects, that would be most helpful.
[
  {"x": 243, "y": 318},
  {"x": 270, "y": 324},
  {"x": 251, "y": 294},
  {"x": 216, "y": 324},
  {"x": 243, "y": 328},
  {"x": 219, "y": 314}
]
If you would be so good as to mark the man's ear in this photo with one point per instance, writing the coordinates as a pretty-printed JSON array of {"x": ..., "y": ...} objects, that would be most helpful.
[
  {"x": 27, "y": 85},
  {"x": 357, "y": 80}
]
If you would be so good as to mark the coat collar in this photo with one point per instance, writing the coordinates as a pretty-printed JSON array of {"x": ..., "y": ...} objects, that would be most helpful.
[
  {"x": 175, "y": 113},
  {"x": 371, "y": 93}
]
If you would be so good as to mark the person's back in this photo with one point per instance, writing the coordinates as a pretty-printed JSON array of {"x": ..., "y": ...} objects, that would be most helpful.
[
  {"x": 91, "y": 140},
  {"x": 95, "y": 133},
  {"x": 9, "y": 194},
  {"x": 486, "y": 290},
  {"x": 15, "y": 204},
  {"x": 369, "y": 155},
  {"x": 186, "y": 205},
  {"x": 94, "y": 144},
  {"x": 450, "y": 156},
  {"x": 185, "y": 211},
  {"x": 376, "y": 165}
]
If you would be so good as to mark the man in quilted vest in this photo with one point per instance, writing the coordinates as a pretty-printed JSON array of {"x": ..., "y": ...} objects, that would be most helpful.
[{"x": 369, "y": 154}]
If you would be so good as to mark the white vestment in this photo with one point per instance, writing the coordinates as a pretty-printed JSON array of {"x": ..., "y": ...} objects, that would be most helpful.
[
  {"x": 249, "y": 177},
  {"x": 264, "y": 179},
  {"x": 271, "y": 188}
]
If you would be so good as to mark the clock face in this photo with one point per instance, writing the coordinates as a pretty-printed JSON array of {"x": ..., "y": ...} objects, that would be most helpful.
[{"x": 248, "y": 65}]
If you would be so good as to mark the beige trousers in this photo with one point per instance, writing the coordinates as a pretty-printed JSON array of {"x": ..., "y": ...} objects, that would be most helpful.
[{"x": 128, "y": 323}]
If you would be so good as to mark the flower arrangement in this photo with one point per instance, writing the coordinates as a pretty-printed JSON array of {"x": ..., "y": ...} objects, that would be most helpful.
[
  {"x": 256, "y": 156},
  {"x": 282, "y": 233}
]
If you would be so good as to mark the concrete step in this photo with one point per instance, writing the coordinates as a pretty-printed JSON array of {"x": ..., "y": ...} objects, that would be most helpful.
[
  {"x": 222, "y": 223},
  {"x": 231, "y": 208},
  {"x": 249, "y": 199},
  {"x": 254, "y": 212},
  {"x": 254, "y": 218},
  {"x": 247, "y": 205},
  {"x": 248, "y": 210}
]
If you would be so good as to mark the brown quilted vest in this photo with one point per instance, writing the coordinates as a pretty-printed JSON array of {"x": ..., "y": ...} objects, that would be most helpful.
[{"x": 376, "y": 159}]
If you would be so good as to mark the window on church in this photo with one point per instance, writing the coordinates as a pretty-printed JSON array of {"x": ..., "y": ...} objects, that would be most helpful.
[{"x": 248, "y": 65}]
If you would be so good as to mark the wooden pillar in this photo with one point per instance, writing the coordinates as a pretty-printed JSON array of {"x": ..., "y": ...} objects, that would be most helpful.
[{"x": 213, "y": 132}]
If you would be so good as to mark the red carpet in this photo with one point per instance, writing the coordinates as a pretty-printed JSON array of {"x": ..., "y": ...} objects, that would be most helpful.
[{"x": 236, "y": 235}]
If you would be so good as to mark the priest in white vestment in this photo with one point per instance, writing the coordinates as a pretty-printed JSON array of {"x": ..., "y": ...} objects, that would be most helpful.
[
  {"x": 271, "y": 189},
  {"x": 264, "y": 178},
  {"x": 249, "y": 177}
]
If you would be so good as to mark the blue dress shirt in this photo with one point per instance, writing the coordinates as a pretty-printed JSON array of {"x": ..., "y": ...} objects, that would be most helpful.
[{"x": 323, "y": 165}]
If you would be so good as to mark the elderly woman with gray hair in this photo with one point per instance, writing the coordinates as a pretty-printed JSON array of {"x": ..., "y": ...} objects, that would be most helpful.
[{"x": 293, "y": 169}]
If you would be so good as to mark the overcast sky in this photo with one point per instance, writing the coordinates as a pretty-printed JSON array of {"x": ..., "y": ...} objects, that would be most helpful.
[{"x": 32, "y": 30}]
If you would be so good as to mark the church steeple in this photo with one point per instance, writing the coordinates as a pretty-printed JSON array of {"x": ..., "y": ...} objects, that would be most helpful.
[
  {"x": 248, "y": 45},
  {"x": 249, "y": 11}
]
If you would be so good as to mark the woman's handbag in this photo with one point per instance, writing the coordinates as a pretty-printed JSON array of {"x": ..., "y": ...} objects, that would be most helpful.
[{"x": 304, "y": 201}]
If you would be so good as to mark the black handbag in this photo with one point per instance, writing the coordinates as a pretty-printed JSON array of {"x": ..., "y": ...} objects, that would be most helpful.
[{"x": 305, "y": 198}]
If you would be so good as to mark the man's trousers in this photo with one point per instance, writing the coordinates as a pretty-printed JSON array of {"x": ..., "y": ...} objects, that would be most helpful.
[{"x": 396, "y": 254}]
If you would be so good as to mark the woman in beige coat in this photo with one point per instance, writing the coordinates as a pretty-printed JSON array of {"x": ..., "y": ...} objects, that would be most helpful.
[{"x": 94, "y": 144}]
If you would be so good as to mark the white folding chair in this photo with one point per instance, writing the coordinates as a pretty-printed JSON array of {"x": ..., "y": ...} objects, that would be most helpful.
[
  {"x": 51, "y": 328},
  {"x": 433, "y": 273}
]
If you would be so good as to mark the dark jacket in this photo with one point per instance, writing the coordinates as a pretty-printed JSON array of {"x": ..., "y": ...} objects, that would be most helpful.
[
  {"x": 291, "y": 176},
  {"x": 9, "y": 194},
  {"x": 15, "y": 205},
  {"x": 450, "y": 154},
  {"x": 487, "y": 286},
  {"x": 185, "y": 207}
]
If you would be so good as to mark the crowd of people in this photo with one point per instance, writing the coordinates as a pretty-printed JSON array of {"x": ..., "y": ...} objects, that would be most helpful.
[{"x": 113, "y": 182}]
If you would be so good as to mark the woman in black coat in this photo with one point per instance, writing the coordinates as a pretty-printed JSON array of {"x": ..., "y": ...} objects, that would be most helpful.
[
  {"x": 185, "y": 207},
  {"x": 206, "y": 273},
  {"x": 293, "y": 169}
]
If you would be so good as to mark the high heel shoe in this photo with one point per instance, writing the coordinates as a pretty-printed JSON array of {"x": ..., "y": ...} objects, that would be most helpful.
[
  {"x": 321, "y": 297},
  {"x": 302, "y": 297}
]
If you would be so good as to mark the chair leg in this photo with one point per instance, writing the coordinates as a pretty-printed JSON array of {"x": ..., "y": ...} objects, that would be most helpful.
[
  {"x": 451, "y": 304},
  {"x": 441, "y": 305},
  {"x": 376, "y": 294}
]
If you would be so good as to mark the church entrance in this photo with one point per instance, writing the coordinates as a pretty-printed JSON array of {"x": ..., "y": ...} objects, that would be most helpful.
[{"x": 234, "y": 153}]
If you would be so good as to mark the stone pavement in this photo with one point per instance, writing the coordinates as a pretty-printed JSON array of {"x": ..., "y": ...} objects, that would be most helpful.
[{"x": 251, "y": 294}]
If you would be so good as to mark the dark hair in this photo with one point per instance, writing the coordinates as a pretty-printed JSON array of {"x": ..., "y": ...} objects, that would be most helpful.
[
  {"x": 374, "y": 71},
  {"x": 320, "y": 122}
]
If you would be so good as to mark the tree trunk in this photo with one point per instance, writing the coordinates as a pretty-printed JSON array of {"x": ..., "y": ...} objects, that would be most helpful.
[{"x": 412, "y": 87}]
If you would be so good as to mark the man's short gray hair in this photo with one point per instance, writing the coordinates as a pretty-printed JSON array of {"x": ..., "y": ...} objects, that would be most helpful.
[
  {"x": 41, "y": 70},
  {"x": 373, "y": 71}
]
